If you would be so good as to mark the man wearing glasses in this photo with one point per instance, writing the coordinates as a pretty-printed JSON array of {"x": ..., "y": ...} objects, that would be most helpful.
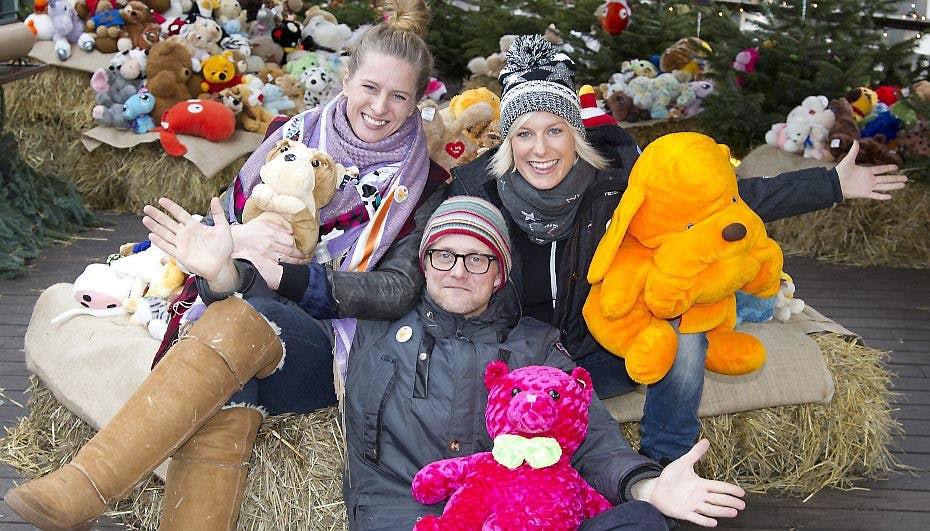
[{"x": 415, "y": 392}]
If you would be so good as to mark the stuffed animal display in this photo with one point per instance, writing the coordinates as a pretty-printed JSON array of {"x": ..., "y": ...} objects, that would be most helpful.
[
  {"x": 296, "y": 182},
  {"x": 680, "y": 243},
  {"x": 537, "y": 418},
  {"x": 204, "y": 118}
]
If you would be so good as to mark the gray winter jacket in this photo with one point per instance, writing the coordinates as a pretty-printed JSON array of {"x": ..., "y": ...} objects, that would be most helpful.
[{"x": 415, "y": 394}]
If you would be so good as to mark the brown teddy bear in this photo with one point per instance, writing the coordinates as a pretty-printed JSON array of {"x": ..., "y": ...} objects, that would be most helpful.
[
  {"x": 622, "y": 109},
  {"x": 170, "y": 76},
  {"x": 296, "y": 182},
  {"x": 253, "y": 117},
  {"x": 293, "y": 90},
  {"x": 140, "y": 29},
  {"x": 915, "y": 143},
  {"x": 922, "y": 88},
  {"x": 230, "y": 100},
  {"x": 845, "y": 131}
]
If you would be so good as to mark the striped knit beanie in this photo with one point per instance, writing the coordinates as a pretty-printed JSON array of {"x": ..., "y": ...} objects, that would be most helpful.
[
  {"x": 473, "y": 217},
  {"x": 537, "y": 78}
]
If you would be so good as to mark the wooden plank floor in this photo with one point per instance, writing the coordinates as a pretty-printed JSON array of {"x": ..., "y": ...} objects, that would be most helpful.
[{"x": 890, "y": 308}]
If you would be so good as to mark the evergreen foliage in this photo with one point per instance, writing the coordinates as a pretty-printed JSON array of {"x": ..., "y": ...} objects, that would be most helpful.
[
  {"x": 826, "y": 50},
  {"x": 36, "y": 211}
]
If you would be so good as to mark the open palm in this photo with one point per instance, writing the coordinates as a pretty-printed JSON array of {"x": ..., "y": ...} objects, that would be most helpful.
[{"x": 204, "y": 250}]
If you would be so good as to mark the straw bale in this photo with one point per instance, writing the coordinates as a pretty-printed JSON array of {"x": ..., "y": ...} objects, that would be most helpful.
[
  {"x": 802, "y": 449},
  {"x": 295, "y": 480},
  {"x": 863, "y": 232},
  {"x": 48, "y": 115},
  {"x": 647, "y": 131}
]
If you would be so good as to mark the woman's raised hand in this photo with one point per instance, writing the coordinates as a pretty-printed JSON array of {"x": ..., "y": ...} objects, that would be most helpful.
[
  {"x": 869, "y": 182},
  {"x": 204, "y": 250}
]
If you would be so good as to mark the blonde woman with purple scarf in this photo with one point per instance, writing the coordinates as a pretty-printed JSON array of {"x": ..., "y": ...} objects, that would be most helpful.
[{"x": 270, "y": 348}]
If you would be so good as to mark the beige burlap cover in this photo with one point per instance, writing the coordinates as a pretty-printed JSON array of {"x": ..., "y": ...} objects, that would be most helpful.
[
  {"x": 769, "y": 160},
  {"x": 209, "y": 157},
  {"x": 93, "y": 364}
]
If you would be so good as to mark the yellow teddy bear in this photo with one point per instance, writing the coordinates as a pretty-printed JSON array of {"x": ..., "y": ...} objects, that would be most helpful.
[{"x": 680, "y": 243}]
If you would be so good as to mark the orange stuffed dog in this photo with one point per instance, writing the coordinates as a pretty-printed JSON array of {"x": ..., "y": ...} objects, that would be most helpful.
[{"x": 680, "y": 243}]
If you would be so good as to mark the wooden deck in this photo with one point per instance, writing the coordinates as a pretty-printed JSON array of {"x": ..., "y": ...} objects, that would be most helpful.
[{"x": 890, "y": 308}]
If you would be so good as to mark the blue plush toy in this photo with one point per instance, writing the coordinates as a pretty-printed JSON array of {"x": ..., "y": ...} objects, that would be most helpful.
[
  {"x": 137, "y": 109},
  {"x": 881, "y": 121},
  {"x": 752, "y": 309}
]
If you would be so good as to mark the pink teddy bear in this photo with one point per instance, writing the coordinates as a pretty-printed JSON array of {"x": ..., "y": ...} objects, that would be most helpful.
[{"x": 537, "y": 417}]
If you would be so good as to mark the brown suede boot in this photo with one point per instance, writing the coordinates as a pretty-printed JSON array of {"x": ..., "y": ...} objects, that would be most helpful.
[
  {"x": 227, "y": 346},
  {"x": 206, "y": 477}
]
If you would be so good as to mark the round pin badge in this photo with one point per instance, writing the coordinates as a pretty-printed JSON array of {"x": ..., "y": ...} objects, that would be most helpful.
[
  {"x": 401, "y": 194},
  {"x": 404, "y": 334}
]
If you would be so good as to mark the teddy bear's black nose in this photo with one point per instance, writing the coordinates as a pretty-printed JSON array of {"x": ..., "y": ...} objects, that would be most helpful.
[
  {"x": 734, "y": 232},
  {"x": 290, "y": 157}
]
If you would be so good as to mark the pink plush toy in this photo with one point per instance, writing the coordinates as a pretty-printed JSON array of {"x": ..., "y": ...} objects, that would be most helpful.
[{"x": 537, "y": 417}]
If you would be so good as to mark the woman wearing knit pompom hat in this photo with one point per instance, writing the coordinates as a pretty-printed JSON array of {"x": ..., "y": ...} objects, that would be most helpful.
[{"x": 558, "y": 182}]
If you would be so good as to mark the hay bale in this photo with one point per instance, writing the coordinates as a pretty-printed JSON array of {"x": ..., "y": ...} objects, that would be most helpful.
[
  {"x": 649, "y": 130},
  {"x": 295, "y": 480},
  {"x": 863, "y": 232},
  {"x": 49, "y": 136},
  {"x": 802, "y": 449}
]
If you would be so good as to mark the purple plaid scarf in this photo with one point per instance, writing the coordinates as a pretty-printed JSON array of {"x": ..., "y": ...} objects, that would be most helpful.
[{"x": 363, "y": 243}]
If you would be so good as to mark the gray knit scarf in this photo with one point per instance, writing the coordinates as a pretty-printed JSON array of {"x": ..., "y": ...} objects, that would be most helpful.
[{"x": 545, "y": 215}]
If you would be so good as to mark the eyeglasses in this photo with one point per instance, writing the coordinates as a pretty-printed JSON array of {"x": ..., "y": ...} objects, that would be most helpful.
[{"x": 475, "y": 263}]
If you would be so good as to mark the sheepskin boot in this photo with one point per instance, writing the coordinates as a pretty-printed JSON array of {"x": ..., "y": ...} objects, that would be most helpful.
[
  {"x": 206, "y": 477},
  {"x": 226, "y": 347}
]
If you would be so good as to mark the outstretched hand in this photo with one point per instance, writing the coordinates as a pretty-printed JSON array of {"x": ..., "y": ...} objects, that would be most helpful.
[
  {"x": 680, "y": 493},
  {"x": 204, "y": 250},
  {"x": 867, "y": 181}
]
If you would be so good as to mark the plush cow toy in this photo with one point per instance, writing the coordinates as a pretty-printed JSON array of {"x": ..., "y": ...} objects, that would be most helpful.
[{"x": 537, "y": 417}]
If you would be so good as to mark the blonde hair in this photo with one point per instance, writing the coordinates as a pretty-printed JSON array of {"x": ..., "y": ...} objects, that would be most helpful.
[
  {"x": 400, "y": 35},
  {"x": 502, "y": 161}
]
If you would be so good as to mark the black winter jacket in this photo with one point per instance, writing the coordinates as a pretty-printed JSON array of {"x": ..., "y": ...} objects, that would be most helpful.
[
  {"x": 416, "y": 394},
  {"x": 772, "y": 198}
]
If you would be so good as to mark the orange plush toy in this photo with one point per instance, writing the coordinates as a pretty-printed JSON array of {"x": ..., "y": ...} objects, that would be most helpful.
[{"x": 681, "y": 242}]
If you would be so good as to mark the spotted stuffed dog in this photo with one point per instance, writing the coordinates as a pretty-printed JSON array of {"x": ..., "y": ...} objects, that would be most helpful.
[
  {"x": 296, "y": 182},
  {"x": 681, "y": 242}
]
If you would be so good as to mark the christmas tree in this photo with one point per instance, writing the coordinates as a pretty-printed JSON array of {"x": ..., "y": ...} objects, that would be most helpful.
[{"x": 804, "y": 48}]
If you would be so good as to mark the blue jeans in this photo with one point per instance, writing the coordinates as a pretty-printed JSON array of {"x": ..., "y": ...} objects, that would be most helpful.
[
  {"x": 305, "y": 382},
  {"x": 670, "y": 424}
]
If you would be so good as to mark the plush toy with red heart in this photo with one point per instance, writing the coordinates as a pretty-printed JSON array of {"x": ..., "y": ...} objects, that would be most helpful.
[
  {"x": 448, "y": 141},
  {"x": 204, "y": 118}
]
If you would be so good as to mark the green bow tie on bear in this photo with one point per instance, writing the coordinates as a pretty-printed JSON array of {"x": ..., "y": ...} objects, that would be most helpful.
[{"x": 538, "y": 452}]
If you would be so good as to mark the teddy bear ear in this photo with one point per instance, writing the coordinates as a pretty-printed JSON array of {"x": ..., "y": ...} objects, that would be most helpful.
[
  {"x": 583, "y": 377},
  {"x": 496, "y": 370}
]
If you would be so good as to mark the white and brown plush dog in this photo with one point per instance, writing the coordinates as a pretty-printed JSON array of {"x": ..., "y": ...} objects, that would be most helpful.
[{"x": 296, "y": 182}]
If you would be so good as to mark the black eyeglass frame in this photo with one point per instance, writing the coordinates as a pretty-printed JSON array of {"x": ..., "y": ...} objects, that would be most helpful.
[{"x": 491, "y": 259}]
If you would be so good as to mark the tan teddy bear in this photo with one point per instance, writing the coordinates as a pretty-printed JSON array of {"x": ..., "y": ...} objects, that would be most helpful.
[
  {"x": 253, "y": 117},
  {"x": 448, "y": 143},
  {"x": 296, "y": 182}
]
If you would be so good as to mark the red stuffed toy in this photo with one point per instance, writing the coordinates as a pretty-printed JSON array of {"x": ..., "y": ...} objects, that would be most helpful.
[
  {"x": 615, "y": 17},
  {"x": 204, "y": 118},
  {"x": 535, "y": 414}
]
